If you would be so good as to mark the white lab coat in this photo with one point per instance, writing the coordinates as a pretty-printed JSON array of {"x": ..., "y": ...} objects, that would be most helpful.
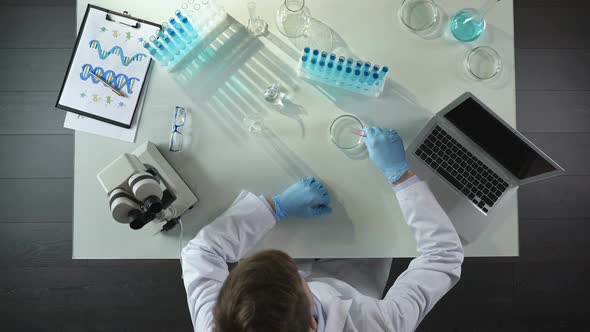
[{"x": 413, "y": 295}]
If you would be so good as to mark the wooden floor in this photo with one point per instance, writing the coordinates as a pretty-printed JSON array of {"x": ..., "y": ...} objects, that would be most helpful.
[{"x": 43, "y": 289}]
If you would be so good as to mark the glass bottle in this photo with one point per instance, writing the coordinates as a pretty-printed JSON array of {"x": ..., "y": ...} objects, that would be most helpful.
[{"x": 293, "y": 19}]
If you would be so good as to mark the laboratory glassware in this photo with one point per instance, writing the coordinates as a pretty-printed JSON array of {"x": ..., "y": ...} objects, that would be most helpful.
[
  {"x": 483, "y": 62},
  {"x": 341, "y": 132},
  {"x": 293, "y": 19},
  {"x": 469, "y": 23},
  {"x": 419, "y": 15}
]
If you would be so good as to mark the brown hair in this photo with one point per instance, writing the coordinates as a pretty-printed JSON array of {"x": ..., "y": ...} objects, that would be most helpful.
[{"x": 263, "y": 293}]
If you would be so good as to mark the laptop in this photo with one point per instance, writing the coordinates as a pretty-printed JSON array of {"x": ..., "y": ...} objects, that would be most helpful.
[{"x": 478, "y": 154}]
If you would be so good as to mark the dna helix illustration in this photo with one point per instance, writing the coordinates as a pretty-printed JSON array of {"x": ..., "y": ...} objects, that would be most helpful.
[
  {"x": 118, "y": 81},
  {"x": 116, "y": 50}
]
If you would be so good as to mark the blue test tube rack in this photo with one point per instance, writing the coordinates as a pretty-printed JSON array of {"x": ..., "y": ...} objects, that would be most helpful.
[
  {"x": 184, "y": 39},
  {"x": 350, "y": 74}
]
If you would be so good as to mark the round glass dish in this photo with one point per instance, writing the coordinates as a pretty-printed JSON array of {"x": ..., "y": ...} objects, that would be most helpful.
[
  {"x": 419, "y": 15},
  {"x": 341, "y": 132},
  {"x": 483, "y": 62}
]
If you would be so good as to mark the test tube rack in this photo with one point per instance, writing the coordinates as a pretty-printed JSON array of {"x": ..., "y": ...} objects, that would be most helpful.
[
  {"x": 184, "y": 39},
  {"x": 350, "y": 74}
]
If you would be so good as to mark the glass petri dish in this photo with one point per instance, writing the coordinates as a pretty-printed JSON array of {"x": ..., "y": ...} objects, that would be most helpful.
[
  {"x": 483, "y": 62},
  {"x": 419, "y": 15},
  {"x": 341, "y": 132}
]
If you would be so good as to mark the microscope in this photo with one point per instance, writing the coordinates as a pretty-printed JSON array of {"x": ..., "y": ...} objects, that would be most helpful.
[{"x": 142, "y": 187}]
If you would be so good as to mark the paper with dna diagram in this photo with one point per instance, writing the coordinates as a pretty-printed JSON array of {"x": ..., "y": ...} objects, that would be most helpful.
[
  {"x": 118, "y": 81},
  {"x": 121, "y": 62},
  {"x": 116, "y": 50}
]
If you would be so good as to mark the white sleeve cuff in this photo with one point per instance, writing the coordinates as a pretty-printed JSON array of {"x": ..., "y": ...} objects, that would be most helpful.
[
  {"x": 413, "y": 179},
  {"x": 263, "y": 199}
]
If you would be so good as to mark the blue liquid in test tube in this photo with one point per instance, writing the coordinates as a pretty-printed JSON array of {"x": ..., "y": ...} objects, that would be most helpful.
[
  {"x": 347, "y": 73},
  {"x": 305, "y": 61},
  {"x": 186, "y": 24},
  {"x": 359, "y": 65},
  {"x": 329, "y": 68},
  {"x": 357, "y": 75},
  {"x": 364, "y": 77},
  {"x": 163, "y": 49},
  {"x": 373, "y": 78},
  {"x": 313, "y": 63},
  {"x": 321, "y": 66},
  {"x": 383, "y": 73},
  {"x": 376, "y": 68},
  {"x": 332, "y": 57},
  {"x": 339, "y": 71},
  {"x": 349, "y": 63},
  {"x": 183, "y": 33},
  {"x": 314, "y": 55},
  {"x": 324, "y": 56},
  {"x": 367, "y": 66},
  {"x": 306, "y": 50},
  {"x": 176, "y": 38},
  {"x": 155, "y": 54},
  {"x": 168, "y": 42}
]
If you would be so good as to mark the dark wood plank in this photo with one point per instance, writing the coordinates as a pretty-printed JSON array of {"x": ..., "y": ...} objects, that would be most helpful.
[
  {"x": 36, "y": 200},
  {"x": 551, "y": 4},
  {"x": 30, "y": 113},
  {"x": 151, "y": 297},
  {"x": 37, "y": 156},
  {"x": 553, "y": 111},
  {"x": 36, "y": 245},
  {"x": 560, "y": 70},
  {"x": 552, "y": 288},
  {"x": 569, "y": 150},
  {"x": 33, "y": 3},
  {"x": 563, "y": 197},
  {"x": 32, "y": 69},
  {"x": 38, "y": 26},
  {"x": 551, "y": 28},
  {"x": 554, "y": 240}
]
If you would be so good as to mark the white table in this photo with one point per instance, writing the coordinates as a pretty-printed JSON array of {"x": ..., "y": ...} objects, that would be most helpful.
[{"x": 222, "y": 159}]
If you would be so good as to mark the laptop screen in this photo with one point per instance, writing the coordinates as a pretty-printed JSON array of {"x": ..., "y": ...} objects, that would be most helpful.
[{"x": 497, "y": 140}]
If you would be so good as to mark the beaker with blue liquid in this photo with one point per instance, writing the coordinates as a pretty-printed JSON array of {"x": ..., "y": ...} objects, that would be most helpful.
[{"x": 467, "y": 24}]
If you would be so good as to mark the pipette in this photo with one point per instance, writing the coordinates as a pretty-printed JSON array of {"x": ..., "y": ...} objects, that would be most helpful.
[{"x": 358, "y": 132}]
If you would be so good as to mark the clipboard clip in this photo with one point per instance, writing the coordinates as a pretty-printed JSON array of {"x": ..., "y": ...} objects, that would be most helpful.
[{"x": 124, "y": 20}]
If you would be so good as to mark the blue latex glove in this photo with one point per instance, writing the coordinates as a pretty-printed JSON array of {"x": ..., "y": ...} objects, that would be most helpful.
[
  {"x": 386, "y": 150},
  {"x": 307, "y": 198}
]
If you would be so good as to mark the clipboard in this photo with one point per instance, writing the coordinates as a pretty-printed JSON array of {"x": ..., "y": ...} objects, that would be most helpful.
[{"x": 109, "y": 45}]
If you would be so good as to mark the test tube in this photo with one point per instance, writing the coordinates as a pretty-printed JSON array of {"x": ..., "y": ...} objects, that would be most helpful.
[
  {"x": 313, "y": 63},
  {"x": 187, "y": 24},
  {"x": 306, "y": 50},
  {"x": 163, "y": 49},
  {"x": 305, "y": 61},
  {"x": 367, "y": 66},
  {"x": 372, "y": 79},
  {"x": 329, "y": 68},
  {"x": 364, "y": 76},
  {"x": 168, "y": 42},
  {"x": 339, "y": 71},
  {"x": 183, "y": 33},
  {"x": 324, "y": 56},
  {"x": 349, "y": 62},
  {"x": 376, "y": 68},
  {"x": 359, "y": 65},
  {"x": 321, "y": 66},
  {"x": 347, "y": 73},
  {"x": 176, "y": 38},
  {"x": 383, "y": 73},
  {"x": 155, "y": 54},
  {"x": 332, "y": 57},
  {"x": 314, "y": 54},
  {"x": 357, "y": 74}
]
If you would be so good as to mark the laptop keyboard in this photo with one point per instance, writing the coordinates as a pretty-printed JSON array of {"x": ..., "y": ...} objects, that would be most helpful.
[{"x": 462, "y": 169}]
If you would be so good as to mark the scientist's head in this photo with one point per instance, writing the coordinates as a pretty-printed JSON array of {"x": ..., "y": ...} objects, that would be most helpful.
[{"x": 265, "y": 293}]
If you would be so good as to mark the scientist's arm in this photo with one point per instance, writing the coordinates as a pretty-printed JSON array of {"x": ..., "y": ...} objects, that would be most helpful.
[
  {"x": 233, "y": 234},
  {"x": 438, "y": 267}
]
